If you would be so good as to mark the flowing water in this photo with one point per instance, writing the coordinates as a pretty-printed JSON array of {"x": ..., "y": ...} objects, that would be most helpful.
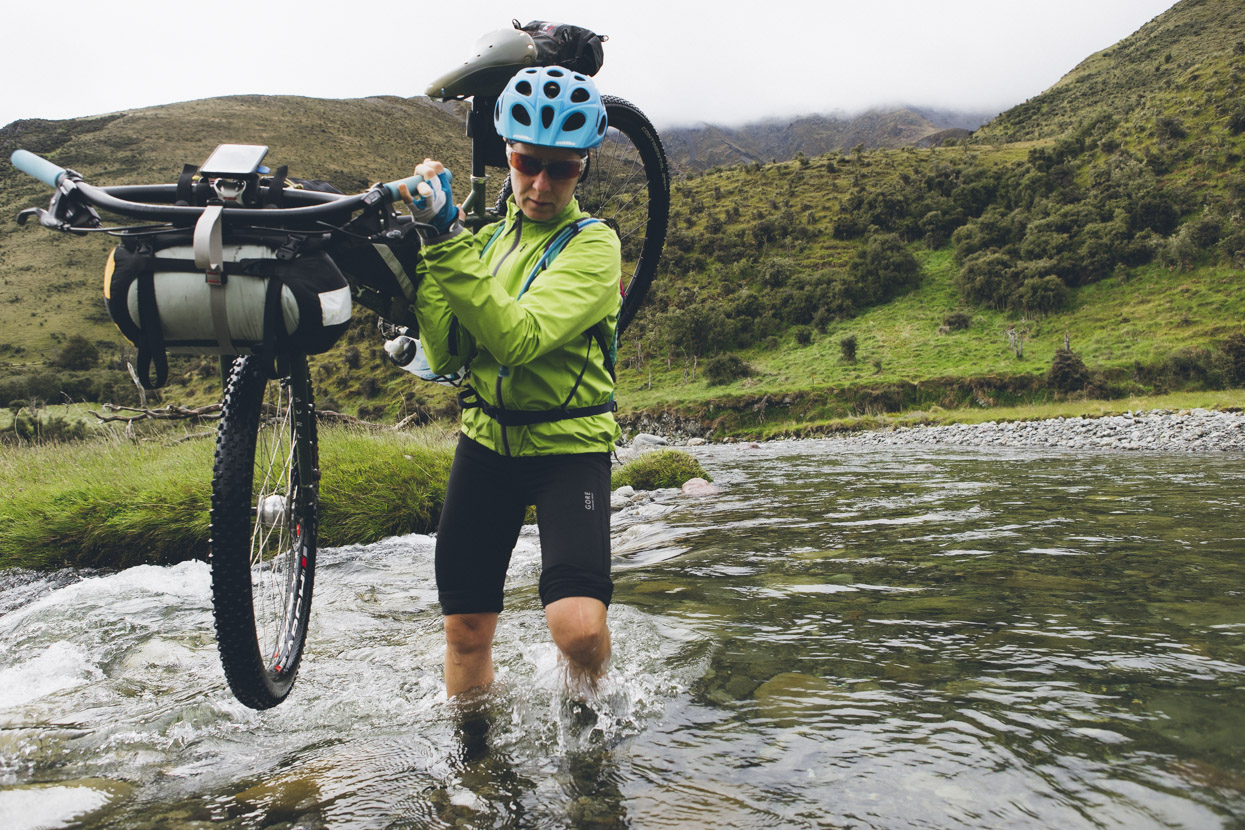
[{"x": 844, "y": 637}]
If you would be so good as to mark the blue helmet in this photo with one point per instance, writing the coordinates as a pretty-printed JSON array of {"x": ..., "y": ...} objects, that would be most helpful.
[{"x": 551, "y": 106}]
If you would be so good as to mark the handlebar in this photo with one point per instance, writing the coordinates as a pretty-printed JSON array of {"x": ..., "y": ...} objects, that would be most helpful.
[{"x": 155, "y": 202}]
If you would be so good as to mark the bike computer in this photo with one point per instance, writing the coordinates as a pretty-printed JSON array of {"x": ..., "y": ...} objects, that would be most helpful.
[{"x": 234, "y": 160}]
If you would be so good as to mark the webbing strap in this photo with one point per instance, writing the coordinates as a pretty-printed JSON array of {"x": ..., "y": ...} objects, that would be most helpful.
[
  {"x": 186, "y": 183},
  {"x": 151, "y": 348},
  {"x": 470, "y": 399},
  {"x": 220, "y": 317}
]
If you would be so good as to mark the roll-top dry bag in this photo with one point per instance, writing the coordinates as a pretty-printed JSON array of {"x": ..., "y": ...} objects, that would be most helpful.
[{"x": 266, "y": 295}]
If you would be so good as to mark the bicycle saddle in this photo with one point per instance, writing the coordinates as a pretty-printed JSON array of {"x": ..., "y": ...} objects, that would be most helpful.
[{"x": 494, "y": 59}]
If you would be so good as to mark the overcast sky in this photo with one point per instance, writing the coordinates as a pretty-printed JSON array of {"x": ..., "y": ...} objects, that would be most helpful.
[{"x": 723, "y": 62}]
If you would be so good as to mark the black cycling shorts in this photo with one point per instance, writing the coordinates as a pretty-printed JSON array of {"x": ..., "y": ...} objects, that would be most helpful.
[{"x": 485, "y": 503}]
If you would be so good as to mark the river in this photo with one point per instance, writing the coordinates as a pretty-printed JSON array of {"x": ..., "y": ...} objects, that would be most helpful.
[{"x": 846, "y": 636}]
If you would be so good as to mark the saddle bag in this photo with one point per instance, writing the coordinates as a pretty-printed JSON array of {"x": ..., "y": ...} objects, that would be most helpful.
[
  {"x": 562, "y": 44},
  {"x": 261, "y": 294}
]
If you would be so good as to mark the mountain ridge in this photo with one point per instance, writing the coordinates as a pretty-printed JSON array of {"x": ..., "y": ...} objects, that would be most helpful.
[{"x": 707, "y": 145}]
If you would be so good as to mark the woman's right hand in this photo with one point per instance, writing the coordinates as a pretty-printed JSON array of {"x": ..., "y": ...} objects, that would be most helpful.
[{"x": 433, "y": 203}]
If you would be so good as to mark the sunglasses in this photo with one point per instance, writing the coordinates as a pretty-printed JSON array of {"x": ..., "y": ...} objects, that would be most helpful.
[{"x": 531, "y": 166}]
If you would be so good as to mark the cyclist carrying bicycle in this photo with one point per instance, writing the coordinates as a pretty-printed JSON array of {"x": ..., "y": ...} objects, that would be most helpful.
[{"x": 529, "y": 306}]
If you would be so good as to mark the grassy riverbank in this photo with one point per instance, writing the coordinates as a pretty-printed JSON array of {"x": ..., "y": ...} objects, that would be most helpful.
[
  {"x": 115, "y": 503},
  {"x": 112, "y": 503}
]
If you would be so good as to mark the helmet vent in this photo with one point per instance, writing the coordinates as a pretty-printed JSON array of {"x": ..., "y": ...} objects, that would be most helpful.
[
  {"x": 519, "y": 114},
  {"x": 552, "y": 90},
  {"x": 573, "y": 122},
  {"x": 579, "y": 95},
  {"x": 601, "y": 125},
  {"x": 554, "y": 73},
  {"x": 546, "y": 117},
  {"x": 523, "y": 88}
]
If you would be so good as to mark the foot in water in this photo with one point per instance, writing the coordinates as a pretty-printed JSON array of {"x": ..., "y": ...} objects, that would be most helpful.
[{"x": 473, "y": 721}]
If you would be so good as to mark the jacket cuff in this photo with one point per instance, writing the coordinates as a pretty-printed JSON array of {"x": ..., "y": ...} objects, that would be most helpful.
[{"x": 454, "y": 230}]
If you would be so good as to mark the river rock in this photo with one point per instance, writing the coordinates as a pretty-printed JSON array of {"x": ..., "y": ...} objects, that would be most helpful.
[
  {"x": 621, "y": 497},
  {"x": 1195, "y": 430},
  {"x": 699, "y": 487},
  {"x": 646, "y": 440}
]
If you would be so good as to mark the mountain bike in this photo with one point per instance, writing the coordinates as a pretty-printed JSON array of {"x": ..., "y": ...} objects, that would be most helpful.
[{"x": 266, "y": 474}]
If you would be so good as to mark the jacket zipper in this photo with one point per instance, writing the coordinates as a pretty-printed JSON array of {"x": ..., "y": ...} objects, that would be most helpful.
[{"x": 518, "y": 238}]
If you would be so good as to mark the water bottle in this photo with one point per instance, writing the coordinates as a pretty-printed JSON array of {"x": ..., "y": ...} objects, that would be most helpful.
[
  {"x": 406, "y": 352},
  {"x": 402, "y": 350}
]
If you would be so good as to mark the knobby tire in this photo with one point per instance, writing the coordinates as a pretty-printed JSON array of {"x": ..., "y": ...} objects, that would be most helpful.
[
  {"x": 265, "y": 494},
  {"x": 627, "y": 187}
]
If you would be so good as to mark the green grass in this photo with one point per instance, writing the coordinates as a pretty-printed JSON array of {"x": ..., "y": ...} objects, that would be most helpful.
[
  {"x": 115, "y": 504},
  {"x": 1142, "y": 318}
]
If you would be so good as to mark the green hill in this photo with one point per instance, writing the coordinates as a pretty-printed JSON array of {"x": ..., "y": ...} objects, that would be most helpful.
[{"x": 1105, "y": 213}]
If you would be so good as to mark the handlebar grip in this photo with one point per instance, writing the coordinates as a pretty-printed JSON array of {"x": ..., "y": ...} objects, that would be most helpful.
[
  {"x": 392, "y": 187},
  {"x": 42, "y": 169}
]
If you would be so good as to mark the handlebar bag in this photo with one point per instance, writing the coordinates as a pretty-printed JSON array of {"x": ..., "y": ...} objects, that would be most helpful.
[
  {"x": 574, "y": 47},
  {"x": 275, "y": 296}
]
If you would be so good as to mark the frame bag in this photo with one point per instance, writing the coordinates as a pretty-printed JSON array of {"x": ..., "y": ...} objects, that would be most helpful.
[{"x": 260, "y": 294}]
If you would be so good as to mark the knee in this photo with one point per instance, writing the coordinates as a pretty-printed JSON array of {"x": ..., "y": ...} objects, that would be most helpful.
[
  {"x": 579, "y": 629},
  {"x": 470, "y": 633}
]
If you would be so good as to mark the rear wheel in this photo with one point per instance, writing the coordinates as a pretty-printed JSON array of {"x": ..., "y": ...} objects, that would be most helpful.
[
  {"x": 265, "y": 493},
  {"x": 628, "y": 188}
]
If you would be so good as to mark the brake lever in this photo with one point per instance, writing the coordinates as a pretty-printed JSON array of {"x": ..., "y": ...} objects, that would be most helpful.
[{"x": 66, "y": 212}]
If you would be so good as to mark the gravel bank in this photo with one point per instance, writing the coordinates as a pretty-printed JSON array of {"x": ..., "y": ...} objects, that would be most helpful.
[{"x": 1197, "y": 430}]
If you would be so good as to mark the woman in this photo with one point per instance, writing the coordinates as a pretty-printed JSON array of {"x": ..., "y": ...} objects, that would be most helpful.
[{"x": 534, "y": 323}]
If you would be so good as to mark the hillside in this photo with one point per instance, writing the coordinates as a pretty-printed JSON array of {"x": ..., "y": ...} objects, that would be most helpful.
[
  {"x": 1106, "y": 211},
  {"x": 708, "y": 146},
  {"x": 1185, "y": 64}
]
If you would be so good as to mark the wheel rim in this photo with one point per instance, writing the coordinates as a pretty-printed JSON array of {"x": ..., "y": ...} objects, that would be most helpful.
[{"x": 277, "y": 545}]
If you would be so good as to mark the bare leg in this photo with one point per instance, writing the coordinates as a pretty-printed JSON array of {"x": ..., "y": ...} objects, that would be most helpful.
[
  {"x": 468, "y": 651},
  {"x": 581, "y": 635}
]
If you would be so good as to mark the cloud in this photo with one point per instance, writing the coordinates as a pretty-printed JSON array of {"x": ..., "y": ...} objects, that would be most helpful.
[{"x": 682, "y": 63}]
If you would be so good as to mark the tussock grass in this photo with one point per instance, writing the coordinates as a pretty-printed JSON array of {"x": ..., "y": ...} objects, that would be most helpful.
[
  {"x": 113, "y": 504},
  {"x": 379, "y": 484},
  {"x": 657, "y": 469}
]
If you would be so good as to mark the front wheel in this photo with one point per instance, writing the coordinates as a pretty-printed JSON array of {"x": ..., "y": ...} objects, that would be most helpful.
[
  {"x": 628, "y": 188},
  {"x": 265, "y": 493}
]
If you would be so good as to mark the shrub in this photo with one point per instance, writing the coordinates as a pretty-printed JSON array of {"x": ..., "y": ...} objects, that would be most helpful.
[
  {"x": 77, "y": 353},
  {"x": 883, "y": 269},
  {"x": 1194, "y": 365},
  {"x": 657, "y": 469},
  {"x": 847, "y": 348},
  {"x": 803, "y": 335},
  {"x": 1042, "y": 295},
  {"x": 957, "y": 320},
  {"x": 1067, "y": 371},
  {"x": 986, "y": 278},
  {"x": 1233, "y": 348},
  {"x": 1167, "y": 128},
  {"x": 725, "y": 368}
]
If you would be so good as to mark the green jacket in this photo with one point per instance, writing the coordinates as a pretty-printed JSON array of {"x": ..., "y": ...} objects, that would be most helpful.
[{"x": 526, "y": 354}]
